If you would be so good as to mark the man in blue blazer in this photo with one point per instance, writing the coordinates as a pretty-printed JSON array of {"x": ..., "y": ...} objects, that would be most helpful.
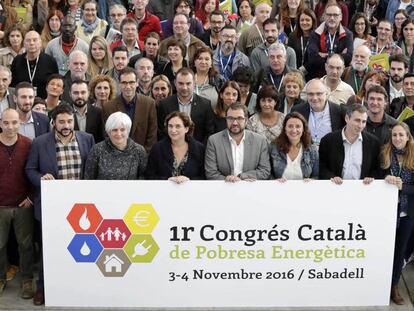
[
  {"x": 236, "y": 154},
  {"x": 48, "y": 161}
]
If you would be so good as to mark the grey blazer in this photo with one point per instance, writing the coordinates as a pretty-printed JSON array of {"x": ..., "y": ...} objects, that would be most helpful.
[{"x": 219, "y": 160}]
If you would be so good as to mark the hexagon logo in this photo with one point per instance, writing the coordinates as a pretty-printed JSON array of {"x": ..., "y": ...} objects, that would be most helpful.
[
  {"x": 113, "y": 263},
  {"x": 141, "y": 248},
  {"x": 113, "y": 233},
  {"x": 141, "y": 218},
  {"x": 84, "y": 218},
  {"x": 85, "y": 248}
]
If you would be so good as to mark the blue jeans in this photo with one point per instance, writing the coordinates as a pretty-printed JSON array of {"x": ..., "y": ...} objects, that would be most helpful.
[{"x": 22, "y": 221}]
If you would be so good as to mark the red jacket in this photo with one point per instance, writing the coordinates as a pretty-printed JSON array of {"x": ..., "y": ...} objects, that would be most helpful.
[{"x": 148, "y": 24}]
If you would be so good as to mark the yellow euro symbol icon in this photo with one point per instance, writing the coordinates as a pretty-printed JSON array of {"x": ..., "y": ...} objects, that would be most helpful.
[{"x": 141, "y": 218}]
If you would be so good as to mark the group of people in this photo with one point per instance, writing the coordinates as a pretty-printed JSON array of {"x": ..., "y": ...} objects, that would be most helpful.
[{"x": 128, "y": 90}]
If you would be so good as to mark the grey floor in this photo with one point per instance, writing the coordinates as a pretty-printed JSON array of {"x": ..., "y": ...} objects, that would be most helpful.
[{"x": 10, "y": 299}]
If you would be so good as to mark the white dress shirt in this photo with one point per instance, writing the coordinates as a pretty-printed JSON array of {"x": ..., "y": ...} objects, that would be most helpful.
[
  {"x": 237, "y": 152},
  {"x": 352, "y": 158}
]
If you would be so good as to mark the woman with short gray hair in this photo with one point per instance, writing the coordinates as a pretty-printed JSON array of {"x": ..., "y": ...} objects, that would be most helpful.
[{"x": 118, "y": 156}]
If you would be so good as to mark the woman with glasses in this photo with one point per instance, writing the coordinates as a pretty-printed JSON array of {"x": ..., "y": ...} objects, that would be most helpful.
[
  {"x": 407, "y": 41},
  {"x": 90, "y": 24},
  {"x": 399, "y": 17}
]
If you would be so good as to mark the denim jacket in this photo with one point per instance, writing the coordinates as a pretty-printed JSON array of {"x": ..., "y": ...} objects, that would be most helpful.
[{"x": 309, "y": 162}]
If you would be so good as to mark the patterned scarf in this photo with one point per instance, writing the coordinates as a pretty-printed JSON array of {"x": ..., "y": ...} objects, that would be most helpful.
[{"x": 89, "y": 28}]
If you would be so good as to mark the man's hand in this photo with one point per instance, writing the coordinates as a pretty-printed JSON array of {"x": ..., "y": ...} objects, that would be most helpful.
[
  {"x": 337, "y": 180},
  {"x": 179, "y": 179},
  {"x": 232, "y": 178},
  {"x": 47, "y": 177},
  {"x": 367, "y": 180},
  {"x": 26, "y": 203}
]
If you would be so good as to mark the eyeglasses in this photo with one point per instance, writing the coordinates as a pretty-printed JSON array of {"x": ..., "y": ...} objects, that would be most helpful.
[{"x": 238, "y": 119}]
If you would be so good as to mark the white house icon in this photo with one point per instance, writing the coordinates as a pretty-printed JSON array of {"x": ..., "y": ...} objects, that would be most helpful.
[{"x": 113, "y": 263}]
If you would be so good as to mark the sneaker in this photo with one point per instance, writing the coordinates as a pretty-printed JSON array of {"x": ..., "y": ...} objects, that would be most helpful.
[
  {"x": 27, "y": 289},
  {"x": 3, "y": 284},
  {"x": 11, "y": 272}
]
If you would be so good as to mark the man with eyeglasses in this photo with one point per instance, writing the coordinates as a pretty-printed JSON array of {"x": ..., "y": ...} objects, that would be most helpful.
[
  {"x": 129, "y": 30},
  {"x": 199, "y": 108},
  {"x": 329, "y": 38},
  {"x": 384, "y": 42},
  {"x": 181, "y": 26},
  {"x": 211, "y": 37},
  {"x": 117, "y": 13},
  {"x": 322, "y": 115},
  {"x": 355, "y": 73},
  {"x": 140, "y": 108},
  {"x": 235, "y": 153},
  {"x": 227, "y": 57}
]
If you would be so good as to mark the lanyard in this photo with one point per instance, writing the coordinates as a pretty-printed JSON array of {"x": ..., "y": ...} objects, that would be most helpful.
[
  {"x": 221, "y": 62},
  {"x": 331, "y": 42},
  {"x": 303, "y": 48},
  {"x": 316, "y": 127},
  {"x": 376, "y": 49},
  {"x": 292, "y": 29},
  {"x": 273, "y": 81},
  {"x": 31, "y": 76},
  {"x": 260, "y": 34},
  {"x": 198, "y": 88}
]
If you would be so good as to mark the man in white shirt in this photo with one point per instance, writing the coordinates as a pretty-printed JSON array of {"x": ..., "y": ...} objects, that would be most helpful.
[
  {"x": 235, "y": 153},
  {"x": 350, "y": 153}
]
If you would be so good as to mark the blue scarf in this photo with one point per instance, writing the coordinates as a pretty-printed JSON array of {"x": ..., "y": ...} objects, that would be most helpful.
[{"x": 89, "y": 28}]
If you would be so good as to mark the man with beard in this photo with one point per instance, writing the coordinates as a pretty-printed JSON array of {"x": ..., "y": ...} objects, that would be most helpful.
[
  {"x": 211, "y": 37},
  {"x": 354, "y": 74},
  {"x": 227, "y": 58},
  {"x": 197, "y": 107},
  {"x": 259, "y": 57},
  {"x": 33, "y": 66},
  {"x": 399, "y": 104},
  {"x": 235, "y": 153},
  {"x": 88, "y": 118},
  {"x": 378, "y": 123},
  {"x": 60, "y": 48},
  {"x": 398, "y": 68},
  {"x": 145, "y": 71},
  {"x": 78, "y": 65},
  {"x": 32, "y": 124},
  {"x": 339, "y": 91},
  {"x": 60, "y": 154},
  {"x": 120, "y": 61},
  {"x": 384, "y": 42},
  {"x": 329, "y": 38},
  {"x": 253, "y": 36}
]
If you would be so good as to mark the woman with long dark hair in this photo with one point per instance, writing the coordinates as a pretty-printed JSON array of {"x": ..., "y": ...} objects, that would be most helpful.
[{"x": 398, "y": 164}]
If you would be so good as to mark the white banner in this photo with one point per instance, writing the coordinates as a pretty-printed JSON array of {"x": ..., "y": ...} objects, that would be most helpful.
[{"x": 215, "y": 244}]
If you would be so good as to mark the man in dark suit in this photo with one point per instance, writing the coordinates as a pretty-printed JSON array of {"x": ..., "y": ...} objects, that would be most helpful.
[
  {"x": 32, "y": 123},
  {"x": 140, "y": 108},
  {"x": 323, "y": 116},
  {"x": 45, "y": 162},
  {"x": 88, "y": 118},
  {"x": 185, "y": 100},
  {"x": 6, "y": 94},
  {"x": 350, "y": 153}
]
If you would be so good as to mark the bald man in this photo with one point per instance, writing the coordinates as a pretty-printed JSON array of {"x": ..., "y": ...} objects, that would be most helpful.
[
  {"x": 34, "y": 66},
  {"x": 322, "y": 115},
  {"x": 254, "y": 35},
  {"x": 355, "y": 73}
]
